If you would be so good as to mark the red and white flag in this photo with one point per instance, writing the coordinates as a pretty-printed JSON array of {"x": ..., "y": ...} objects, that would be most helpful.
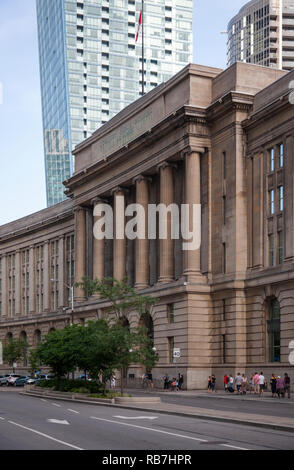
[{"x": 139, "y": 26}]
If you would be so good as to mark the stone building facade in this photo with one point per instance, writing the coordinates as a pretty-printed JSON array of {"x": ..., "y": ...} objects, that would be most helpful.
[{"x": 222, "y": 139}]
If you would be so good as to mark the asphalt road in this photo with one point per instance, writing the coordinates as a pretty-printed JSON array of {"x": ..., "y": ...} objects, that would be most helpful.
[{"x": 28, "y": 423}]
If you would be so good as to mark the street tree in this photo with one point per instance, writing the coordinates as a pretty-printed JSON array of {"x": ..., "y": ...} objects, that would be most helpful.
[{"x": 15, "y": 350}]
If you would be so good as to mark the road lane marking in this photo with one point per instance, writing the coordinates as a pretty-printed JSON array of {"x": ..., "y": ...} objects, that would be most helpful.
[
  {"x": 46, "y": 435},
  {"x": 73, "y": 411},
  {"x": 55, "y": 404},
  {"x": 2, "y": 418},
  {"x": 233, "y": 447},
  {"x": 58, "y": 421},
  {"x": 42, "y": 399},
  {"x": 136, "y": 417},
  {"x": 149, "y": 429}
]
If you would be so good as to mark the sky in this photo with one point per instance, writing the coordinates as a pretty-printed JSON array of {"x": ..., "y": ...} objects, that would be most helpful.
[{"x": 22, "y": 173}]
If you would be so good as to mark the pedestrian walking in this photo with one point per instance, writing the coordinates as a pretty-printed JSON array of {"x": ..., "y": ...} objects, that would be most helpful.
[
  {"x": 213, "y": 383},
  {"x": 256, "y": 383},
  {"x": 165, "y": 382},
  {"x": 261, "y": 384},
  {"x": 231, "y": 384},
  {"x": 244, "y": 384},
  {"x": 209, "y": 384},
  {"x": 226, "y": 382},
  {"x": 174, "y": 384},
  {"x": 280, "y": 387},
  {"x": 113, "y": 382},
  {"x": 238, "y": 382},
  {"x": 273, "y": 383},
  {"x": 287, "y": 382},
  {"x": 180, "y": 381},
  {"x": 251, "y": 385}
]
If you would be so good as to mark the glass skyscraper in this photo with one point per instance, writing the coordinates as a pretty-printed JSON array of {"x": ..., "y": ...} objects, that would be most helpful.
[
  {"x": 91, "y": 67},
  {"x": 263, "y": 33}
]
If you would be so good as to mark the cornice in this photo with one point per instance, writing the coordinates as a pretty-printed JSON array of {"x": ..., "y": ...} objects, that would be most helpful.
[
  {"x": 267, "y": 112},
  {"x": 231, "y": 102},
  {"x": 42, "y": 224},
  {"x": 179, "y": 118}
]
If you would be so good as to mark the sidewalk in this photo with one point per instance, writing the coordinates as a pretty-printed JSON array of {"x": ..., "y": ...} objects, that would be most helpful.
[{"x": 221, "y": 394}]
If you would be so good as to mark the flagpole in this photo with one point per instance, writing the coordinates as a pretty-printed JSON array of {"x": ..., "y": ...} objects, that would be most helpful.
[{"x": 143, "y": 74}]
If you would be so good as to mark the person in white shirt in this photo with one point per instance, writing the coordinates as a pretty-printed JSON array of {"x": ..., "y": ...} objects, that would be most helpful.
[{"x": 261, "y": 383}]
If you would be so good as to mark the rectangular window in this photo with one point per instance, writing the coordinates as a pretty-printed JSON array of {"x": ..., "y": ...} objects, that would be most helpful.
[
  {"x": 224, "y": 349},
  {"x": 224, "y": 258},
  {"x": 224, "y": 209},
  {"x": 272, "y": 201},
  {"x": 170, "y": 313},
  {"x": 271, "y": 243},
  {"x": 272, "y": 159},
  {"x": 281, "y": 198},
  {"x": 224, "y": 165},
  {"x": 171, "y": 345},
  {"x": 224, "y": 309},
  {"x": 281, "y": 247},
  {"x": 281, "y": 158}
]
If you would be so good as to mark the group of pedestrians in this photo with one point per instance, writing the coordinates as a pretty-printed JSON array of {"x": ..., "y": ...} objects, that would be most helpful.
[
  {"x": 280, "y": 386},
  {"x": 174, "y": 384},
  {"x": 257, "y": 384}
]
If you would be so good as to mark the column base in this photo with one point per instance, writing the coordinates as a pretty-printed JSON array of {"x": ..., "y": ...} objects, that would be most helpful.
[
  {"x": 80, "y": 299},
  {"x": 165, "y": 280},
  {"x": 194, "y": 276},
  {"x": 141, "y": 286}
]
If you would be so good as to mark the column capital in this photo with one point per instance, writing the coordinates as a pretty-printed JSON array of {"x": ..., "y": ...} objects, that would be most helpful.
[
  {"x": 119, "y": 189},
  {"x": 139, "y": 178},
  {"x": 98, "y": 200},
  {"x": 79, "y": 208},
  {"x": 189, "y": 150},
  {"x": 166, "y": 164}
]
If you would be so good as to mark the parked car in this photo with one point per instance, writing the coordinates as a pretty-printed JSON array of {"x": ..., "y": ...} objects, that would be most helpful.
[
  {"x": 12, "y": 378},
  {"x": 21, "y": 381},
  {"x": 45, "y": 377},
  {"x": 31, "y": 380},
  {"x": 84, "y": 377},
  {"x": 3, "y": 379}
]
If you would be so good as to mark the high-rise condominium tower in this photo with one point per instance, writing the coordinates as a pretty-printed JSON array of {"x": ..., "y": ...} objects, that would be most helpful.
[
  {"x": 91, "y": 66},
  {"x": 263, "y": 33}
]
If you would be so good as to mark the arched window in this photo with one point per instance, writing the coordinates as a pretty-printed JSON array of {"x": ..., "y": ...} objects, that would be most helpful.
[
  {"x": 274, "y": 331},
  {"x": 147, "y": 322},
  {"x": 8, "y": 338},
  {"x": 37, "y": 337},
  {"x": 23, "y": 337}
]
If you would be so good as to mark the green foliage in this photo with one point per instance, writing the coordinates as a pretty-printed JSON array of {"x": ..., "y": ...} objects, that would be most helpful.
[
  {"x": 15, "y": 350},
  {"x": 122, "y": 297},
  {"x": 34, "y": 362},
  {"x": 74, "y": 386},
  {"x": 100, "y": 348}
]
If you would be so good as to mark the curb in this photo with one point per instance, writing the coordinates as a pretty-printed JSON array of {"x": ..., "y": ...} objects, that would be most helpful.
[{"x": 222, "y": 419}]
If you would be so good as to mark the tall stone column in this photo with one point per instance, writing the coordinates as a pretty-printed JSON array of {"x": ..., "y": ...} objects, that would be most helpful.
[
  {"x": 166, "y": 256},
  {"x": 142, "y": 244},
  {"x": 32, "y": 283},
  {"x": 61, "y": 272},
  {"x": 47, "y": 281},
  {"x": 80, "y": 255},
  {"x": 18, "y": 283},
  {"x": 98, "y": 248},
  {"x": 192, "y": 265},
  {"x": 4, "y": 286},
  {"x": 119, "y": 242}
]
